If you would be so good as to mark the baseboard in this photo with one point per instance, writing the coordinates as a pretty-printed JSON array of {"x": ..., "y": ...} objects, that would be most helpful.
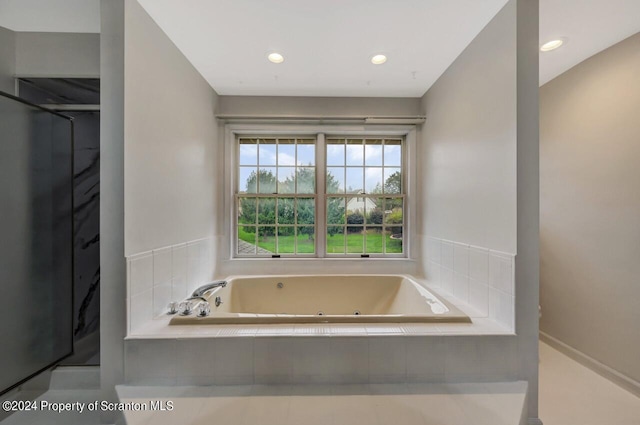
[{"x": 601, "y": 369}]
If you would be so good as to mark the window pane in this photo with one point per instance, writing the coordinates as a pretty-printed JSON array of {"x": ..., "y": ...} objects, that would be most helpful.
[
  {"x": 286, "y": 180},
  {"x": 306, "y": 211},
  {"x": 306, "y": 240},
  {"x": 335, "y": 152},
  {"x": 266, "y": 211},
  {"x": 286, "y": 212},
  {"x": 335, "y": 210},
  {"x": 306, "y": 152},
  {"x": 392, "y": 205},
  {"x": 335, "y": 180},
  {"x": 393, "y": 180},
  {"x": 367, "y": 218},
  {"x": 392, "y": 153},
  {"x": 246, "y": 240},
  {"x": 373, "y": 152},
  {"x": 267, "y": 180},
  {"x": 355, "y": 240},
  {"x": 355, "y": 214},
  {"x": 267, "y": 152},
  {"x": 373, "y": 180},
  {"x": 355, "y": 152},
  {"x": 375, "y": 213},
  {"x": 248, "y": 152},
  {"x": 247, "y": 211},
  {"x": 286, "y": 240},
  {"x": 393, "y": 242},
  {"x": 393, "y": 221},
  {"x": 355, "y": 180},
  {"x": 266, "y": 239},
  {"x": 335, "y": 240},
  {"x": 286, "y": 152},
  {"x": 306, "y": 180},
  {"x": 247, "y": 181},
  {"x": 374, "y": 240}
]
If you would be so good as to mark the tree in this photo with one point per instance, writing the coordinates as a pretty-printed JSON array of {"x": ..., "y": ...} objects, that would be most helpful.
[
  {"x": 376, "y": 216},
  {"x": 263, "y": 207},
  {"x": 355, "y": 217},
  {"x": 393, "y": 184},
  {"x": 267, "y": 182},
  {"x": 395, "y": 217},
  {"x": 335, "y": 215}
]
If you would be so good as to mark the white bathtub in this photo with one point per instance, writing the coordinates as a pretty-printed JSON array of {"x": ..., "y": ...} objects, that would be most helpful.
[{"x": 323, "y": 299}]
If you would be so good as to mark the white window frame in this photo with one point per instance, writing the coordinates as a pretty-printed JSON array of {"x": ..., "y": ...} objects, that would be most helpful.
[{"x": 320, "y": 132}]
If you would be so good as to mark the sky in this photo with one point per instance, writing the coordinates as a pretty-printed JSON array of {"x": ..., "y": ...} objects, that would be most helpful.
[{"x": 354, "y": 166}]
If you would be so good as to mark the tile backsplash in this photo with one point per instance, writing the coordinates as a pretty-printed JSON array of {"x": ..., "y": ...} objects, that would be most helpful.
[
  {"x": 479, "y": 277},
  {"x": 155, "y": 278}
]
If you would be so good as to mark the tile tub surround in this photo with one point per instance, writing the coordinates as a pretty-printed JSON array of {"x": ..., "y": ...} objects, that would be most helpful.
[
  {"x": 480, "y": 278},
  {"x": 320, "y": 360},
  {"x": 155, "y": 278}
]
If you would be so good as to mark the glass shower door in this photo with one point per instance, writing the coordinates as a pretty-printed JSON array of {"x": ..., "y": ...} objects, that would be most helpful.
[{"x": 36, "y": 245}]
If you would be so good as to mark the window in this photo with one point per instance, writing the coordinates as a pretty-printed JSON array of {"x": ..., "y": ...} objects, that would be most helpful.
[
  {"x": 278, "y": 204},
  {"x": 364, "y": 196}
]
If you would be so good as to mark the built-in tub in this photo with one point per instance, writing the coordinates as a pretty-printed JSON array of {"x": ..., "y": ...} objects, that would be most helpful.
[{"x": 323, "y": 299}]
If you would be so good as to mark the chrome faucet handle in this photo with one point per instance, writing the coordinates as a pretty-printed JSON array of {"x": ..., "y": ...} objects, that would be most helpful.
[
  {"x": 173, "y": 307},
  {"x": 186, "y": 308},
  {"x": 204, "y": 309}
]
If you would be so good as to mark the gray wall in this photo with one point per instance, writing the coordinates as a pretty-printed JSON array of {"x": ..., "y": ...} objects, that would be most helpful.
[
  {"x": 113, "y": 314},
  {"x": 480, "y": 154},
  {"x": 331, "y": 106},
  {"x": 590, "y": 207},
  {"x": 45, "y": 54},
  {"x": 170, "y": 137},
  {"x": 469, "y": 142},
  {"x": 157, "y": 136},
  {"x": 7, "y": 60}
]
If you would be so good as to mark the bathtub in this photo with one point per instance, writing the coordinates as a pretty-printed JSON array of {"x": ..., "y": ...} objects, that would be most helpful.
[{"x": 323, "y": 299}]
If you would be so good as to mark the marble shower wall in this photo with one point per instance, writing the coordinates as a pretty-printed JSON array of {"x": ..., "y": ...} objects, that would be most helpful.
[{"x": 87, "y": 223}]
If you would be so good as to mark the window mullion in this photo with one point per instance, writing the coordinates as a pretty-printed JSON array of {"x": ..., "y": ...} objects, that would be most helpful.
[{"x": 321, "y": 209}]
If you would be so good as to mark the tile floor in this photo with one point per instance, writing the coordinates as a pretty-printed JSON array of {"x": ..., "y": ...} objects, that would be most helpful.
[
  {"x": 571, "y": 394},
  {"x": 396, "y": 404}
]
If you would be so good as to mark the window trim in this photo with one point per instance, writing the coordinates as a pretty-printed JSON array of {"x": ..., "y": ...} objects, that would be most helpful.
[{"x": 319, "y": 132}]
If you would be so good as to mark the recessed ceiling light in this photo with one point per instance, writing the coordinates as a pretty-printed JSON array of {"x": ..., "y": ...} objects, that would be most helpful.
[
  {"x": 276, "y": 58},
  {"x": 378, "y": 59},
  {"x": 551, "y": 45}
]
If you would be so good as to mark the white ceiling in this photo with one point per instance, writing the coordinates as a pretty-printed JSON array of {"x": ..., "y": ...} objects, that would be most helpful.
[
  {"x": 327, "y": 44},
  {"x": 588, "y": 27}
]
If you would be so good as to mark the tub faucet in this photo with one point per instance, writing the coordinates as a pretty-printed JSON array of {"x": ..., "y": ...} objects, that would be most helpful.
[{"x": 199, "y": 293}]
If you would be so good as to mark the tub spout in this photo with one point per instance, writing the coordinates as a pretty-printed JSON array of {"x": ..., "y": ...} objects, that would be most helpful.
[{"x": 208, "y": 287}]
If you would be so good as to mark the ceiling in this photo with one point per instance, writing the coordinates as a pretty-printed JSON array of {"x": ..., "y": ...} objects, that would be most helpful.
[
  {"x": 328, "y": 44},
  {"x": 587, "y": 27}
]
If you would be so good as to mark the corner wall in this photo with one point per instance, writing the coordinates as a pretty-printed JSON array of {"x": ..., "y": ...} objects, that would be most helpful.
[
  {"x": 158, "y": 134},
  {"x": 590, "y": 209},
  {"x": 57, "y": 55},
  {"x": 7, "y": 60},
  {"x": 170, "y": 137},
  {"x": 479, "y": 153}
]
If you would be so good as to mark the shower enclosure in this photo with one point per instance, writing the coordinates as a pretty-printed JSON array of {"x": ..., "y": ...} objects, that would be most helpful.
[{"x": 36, "y": 239}]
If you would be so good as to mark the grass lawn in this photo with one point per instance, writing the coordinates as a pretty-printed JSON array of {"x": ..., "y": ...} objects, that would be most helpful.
[{"x": 335, "y": 244}]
